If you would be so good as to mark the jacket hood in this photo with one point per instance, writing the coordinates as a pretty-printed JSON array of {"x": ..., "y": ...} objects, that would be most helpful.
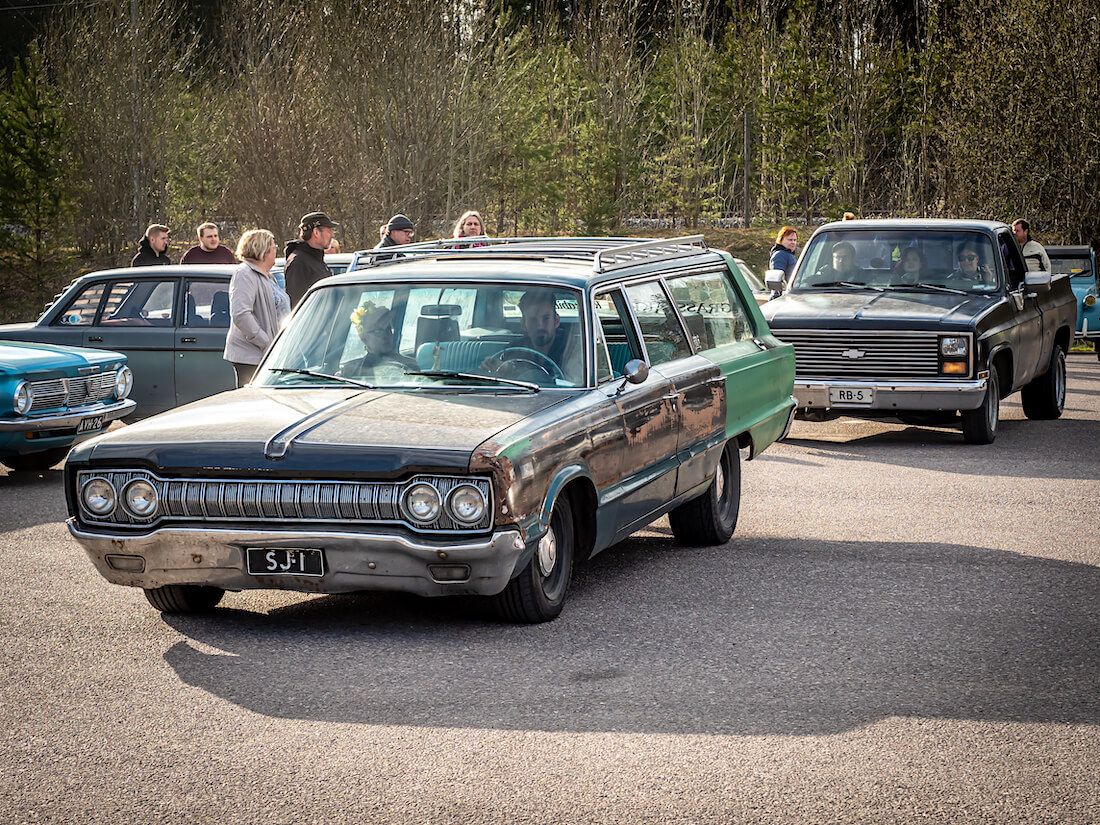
[
  {"x": 300, "y": 246},
  {"x": 875, "y": 310},
  {"x": 338, "y": 432}
]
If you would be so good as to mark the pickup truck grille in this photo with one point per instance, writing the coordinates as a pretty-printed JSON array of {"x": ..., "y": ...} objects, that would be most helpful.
[
  {"x": 848, "y": 354},
  {"x": 72, "y": 392},
  {"x": 283, "y": 503}
]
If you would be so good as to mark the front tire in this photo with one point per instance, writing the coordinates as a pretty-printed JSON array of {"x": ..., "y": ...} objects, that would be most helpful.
[
  {"x": 1044, "y": 397},
  {"x": 980, "y": 426},
  {"x": 184, "y": 598},
  {"x": 538, "y": 593},
  {"x": 35, "y": 462},
  {"x": 711, "y": 518}
]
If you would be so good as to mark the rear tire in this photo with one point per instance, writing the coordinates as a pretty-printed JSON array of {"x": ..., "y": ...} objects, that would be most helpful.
[
  {"x": 35, "y": 462},
  {"x": 184, "y": 598},
  {"x": 711, "y": 518},
  {"x": 980, "y": 426},
  {"x": 538, "y": 593},
  {"x": 1044, "y": 397}
]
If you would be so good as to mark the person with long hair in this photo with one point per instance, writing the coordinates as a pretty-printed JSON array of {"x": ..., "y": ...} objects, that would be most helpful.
[{"x": 470, "y": 225}]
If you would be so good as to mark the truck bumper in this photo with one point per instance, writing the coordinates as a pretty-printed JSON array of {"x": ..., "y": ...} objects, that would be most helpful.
[{"x": 891, "y": 396}]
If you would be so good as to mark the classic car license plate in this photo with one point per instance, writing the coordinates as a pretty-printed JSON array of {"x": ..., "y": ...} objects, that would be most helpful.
[
  {"x": 90, "y": 424},
  {"x": 266, "y": 561},
  {"x": 851, "y": 397}
]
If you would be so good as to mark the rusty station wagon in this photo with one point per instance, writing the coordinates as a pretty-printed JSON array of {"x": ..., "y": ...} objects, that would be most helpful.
[{"x": 452, "y": 421}]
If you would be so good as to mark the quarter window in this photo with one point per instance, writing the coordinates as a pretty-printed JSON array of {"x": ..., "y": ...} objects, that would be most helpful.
[
  {"x": 618, "y": 343},
  {"x": 81, "y": 312}
]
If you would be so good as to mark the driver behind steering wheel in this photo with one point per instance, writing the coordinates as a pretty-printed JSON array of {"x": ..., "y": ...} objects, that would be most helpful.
[{"x": 542, "y": 333}]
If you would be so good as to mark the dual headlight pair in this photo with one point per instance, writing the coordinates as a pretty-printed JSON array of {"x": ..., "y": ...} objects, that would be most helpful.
[
  {"x": 23, "y": 399},
  {"x": 139, "y": 498},
  {"x": 423, "y": 503}
]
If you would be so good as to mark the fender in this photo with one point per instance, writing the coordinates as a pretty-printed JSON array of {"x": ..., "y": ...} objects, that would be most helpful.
[{"x": 562, "y": 476}]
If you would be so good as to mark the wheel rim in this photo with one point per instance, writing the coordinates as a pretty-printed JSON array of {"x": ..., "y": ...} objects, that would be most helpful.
[
  {"x": 1060, "y": 382},
  {"x": 720, "y": 481},
  {"x": 547, "y": 553},
  {"x": 993, "y": 408}
]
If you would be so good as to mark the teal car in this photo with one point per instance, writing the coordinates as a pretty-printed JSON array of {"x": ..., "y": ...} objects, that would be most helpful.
[
  {"x": 53, "y": 396},
  {"x": 1079, "y": 262},
  {"x": 452, "y": 421}
]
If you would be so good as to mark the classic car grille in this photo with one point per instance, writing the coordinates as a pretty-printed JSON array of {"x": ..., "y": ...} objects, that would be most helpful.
[
  {"x": 847, "y": 354},
  {"x": 72, "y": 392},
  {"x": 284, "y": 502}
]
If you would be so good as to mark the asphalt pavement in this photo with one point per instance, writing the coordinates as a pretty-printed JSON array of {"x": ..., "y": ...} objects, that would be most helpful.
[{"x": 904, "y": 628}]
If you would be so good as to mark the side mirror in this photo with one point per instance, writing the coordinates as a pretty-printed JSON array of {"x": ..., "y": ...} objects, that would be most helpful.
[
  {"x": 636, "y": 371},
  {"x": 1037, "y": 281},
  {"x": 773, "y": 280}
]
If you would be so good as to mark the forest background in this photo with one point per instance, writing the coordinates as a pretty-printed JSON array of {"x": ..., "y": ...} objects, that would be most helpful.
[{"x": 559, "y": 116}]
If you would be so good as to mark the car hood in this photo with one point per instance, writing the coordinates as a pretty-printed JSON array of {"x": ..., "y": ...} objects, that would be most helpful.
[
  {"x": 311, "y": 431},
  {"x": 876, "y": 310},
  {"x": 22, "y": 356}
]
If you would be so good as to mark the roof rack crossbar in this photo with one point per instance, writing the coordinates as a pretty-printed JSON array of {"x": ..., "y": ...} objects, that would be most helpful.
[{"x": 606, "y": 260}]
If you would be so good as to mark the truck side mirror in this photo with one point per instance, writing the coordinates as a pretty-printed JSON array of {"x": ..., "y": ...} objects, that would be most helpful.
[
  {"x": 1037, "y": 281},
  {"x": 773, "y": 280}
]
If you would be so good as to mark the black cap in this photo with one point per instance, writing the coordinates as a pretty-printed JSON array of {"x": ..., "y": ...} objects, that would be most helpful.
[
  {"x": 400, "y": 222},
  {"x": 315, "y": 219}
]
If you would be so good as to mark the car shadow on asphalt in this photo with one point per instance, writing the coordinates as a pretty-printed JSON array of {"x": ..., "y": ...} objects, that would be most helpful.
[
  {"x": 45, "y": 505},
  {"x": 756, "y": 637}
]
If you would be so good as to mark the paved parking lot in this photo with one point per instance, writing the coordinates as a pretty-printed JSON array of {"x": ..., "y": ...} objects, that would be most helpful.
[{"x": 903, "y": 629}]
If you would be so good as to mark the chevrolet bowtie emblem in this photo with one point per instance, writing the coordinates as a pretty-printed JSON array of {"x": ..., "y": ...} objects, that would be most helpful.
[{"x": 853, "y": 353}]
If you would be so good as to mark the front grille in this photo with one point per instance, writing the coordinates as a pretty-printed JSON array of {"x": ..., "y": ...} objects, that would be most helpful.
[
  {"x": 360, "y": 503},
  {"x": 72, "y": 392},
  {"x": 847, "y": 354}
]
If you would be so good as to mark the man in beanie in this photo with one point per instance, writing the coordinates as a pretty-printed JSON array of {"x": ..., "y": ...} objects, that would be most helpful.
[
  {"x": 305, "y": 256},
  {"x": 398, "y": 231},
  {"x": 153, "y": 246}
]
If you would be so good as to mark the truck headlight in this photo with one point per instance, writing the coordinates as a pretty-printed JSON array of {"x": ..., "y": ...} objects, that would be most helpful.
[
  {"x": 124, "y": 382},
  {"x": 422, "y": 502},
  {"x": 99, "y": 497},
  {"x": 140, "y": 498},
  {"x": 953, "y": 347},
  {"x": 466, "y": 504},
  {"x": 23, "y": 399}
]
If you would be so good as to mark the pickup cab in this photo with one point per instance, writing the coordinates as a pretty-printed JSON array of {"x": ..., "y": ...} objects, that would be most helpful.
[{"x": 932, "y": 322}]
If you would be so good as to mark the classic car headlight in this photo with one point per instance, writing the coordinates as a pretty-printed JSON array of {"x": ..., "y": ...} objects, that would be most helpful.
[
  {"x": 99, "y": 496},
  {"x": 140, "y": 498},
  {"x": 124, "y": 382},
  {"x": 1090, "y": 300},
  {"x": 24, "y": 398},
  {"x": 953, "y": 347},
  {"x": 466, "y": 504},
  {"x": 422, "y": 502}
]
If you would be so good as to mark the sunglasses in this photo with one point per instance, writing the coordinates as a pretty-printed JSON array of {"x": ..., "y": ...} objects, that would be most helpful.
[{"x": 968, "y": 257}]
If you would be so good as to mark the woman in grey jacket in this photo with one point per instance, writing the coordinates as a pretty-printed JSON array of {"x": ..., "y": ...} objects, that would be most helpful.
[{"x": 253, "y": 317}]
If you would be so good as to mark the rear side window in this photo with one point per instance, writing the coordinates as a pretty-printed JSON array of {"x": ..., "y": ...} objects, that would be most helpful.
[
  {"x": 662, "y": 333},
  {"x": 711, "y": 309},
  {"x": 81, "y": 312}
]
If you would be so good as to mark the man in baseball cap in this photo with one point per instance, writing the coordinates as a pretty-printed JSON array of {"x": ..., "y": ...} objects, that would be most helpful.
[{"x": 305, "y": 256}]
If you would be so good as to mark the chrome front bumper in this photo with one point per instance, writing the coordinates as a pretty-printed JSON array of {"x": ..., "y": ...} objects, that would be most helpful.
[
  {"x": 68, "y": 420},
  {"x": 353, "y": 561},
  {"x": 895, "y": 396}
]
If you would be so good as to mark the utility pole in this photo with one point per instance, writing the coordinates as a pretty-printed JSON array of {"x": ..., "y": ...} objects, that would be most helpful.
[{"x": 135, "y": 161}]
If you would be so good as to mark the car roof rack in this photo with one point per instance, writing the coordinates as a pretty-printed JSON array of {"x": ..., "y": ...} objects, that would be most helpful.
[{"x": 606, "y": 253}]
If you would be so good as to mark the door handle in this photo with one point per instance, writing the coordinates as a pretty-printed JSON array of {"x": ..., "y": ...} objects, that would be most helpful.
[
  {"x": 188, "y": 339},
  {"x": 95, "y": 337}
]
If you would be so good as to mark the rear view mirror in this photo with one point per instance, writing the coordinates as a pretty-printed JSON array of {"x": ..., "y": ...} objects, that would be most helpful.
[
  {"x": 636, "y": 371},
  {"x": 773, "y": 280}
]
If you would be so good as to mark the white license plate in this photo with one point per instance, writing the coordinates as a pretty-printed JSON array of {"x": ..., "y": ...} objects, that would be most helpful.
[
  {"x": 266, "y": 561},
  {"x": 90, "y": 424},
  {"x": 851, "y": 397}
]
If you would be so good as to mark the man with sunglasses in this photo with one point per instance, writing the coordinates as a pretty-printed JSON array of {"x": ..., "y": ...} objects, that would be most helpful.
[
  {"x": 971, "y": 267},
  {"x": 398, "y": 231}
]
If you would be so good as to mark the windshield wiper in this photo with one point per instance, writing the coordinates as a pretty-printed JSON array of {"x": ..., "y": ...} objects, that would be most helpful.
[
  {"x": 314, "y": 374},
  {"x": 850, "y": 285},
  {"x": 941, "y": 288},
  {"x": 495, "y": 379}
]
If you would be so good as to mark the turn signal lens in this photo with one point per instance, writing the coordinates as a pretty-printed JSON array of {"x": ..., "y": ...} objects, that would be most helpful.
[
  {"x": 140, "y": 498},
  {"x": 422, "y": 502},
  {"x": 954, "y": 368},
  {"x": 467, "y": 504},
  {"x": 99, "y": 497}
]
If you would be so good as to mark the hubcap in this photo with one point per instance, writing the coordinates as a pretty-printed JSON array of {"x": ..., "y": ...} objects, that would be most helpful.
[
  {"x": 719, "y": 482},
  {"x": 547, "y": 553}
]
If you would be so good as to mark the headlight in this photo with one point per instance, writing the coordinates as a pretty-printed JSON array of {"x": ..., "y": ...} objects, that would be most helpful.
[
  {"x": 140, "y": 498},
  {"x": 124, "y": 382},
  {"x": 99, "y": 497},
  {"x": 1090, "y": 300},
  {"x": 422, "y": 502},
  {"x": 953, "y": 347},
  {"x": 466, "y": 504},
  {"x": 24, "y": 398}
]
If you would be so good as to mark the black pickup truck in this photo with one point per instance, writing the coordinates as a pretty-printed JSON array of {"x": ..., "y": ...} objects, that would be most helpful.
[{"x": 932, "y": 322}]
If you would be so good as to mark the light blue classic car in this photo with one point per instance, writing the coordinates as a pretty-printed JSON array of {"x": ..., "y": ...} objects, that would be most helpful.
[
  {"x": 1079, "y": 262},
  {"x": 52, "y": 396}
]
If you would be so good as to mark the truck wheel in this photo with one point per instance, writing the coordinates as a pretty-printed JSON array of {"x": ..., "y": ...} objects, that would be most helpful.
[
  {"x": 537, "y": 594},
  {"x": 980, "y": 426},
  {"x": 33, "y": 462},
  {"x": 1044, "y": 397},
  {"x": 184, "y": 598},
  {"x": 712, "y": 517}
]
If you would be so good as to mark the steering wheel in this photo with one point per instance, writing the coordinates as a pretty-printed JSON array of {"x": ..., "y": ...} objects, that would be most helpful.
[{"x": 525, "y": 355}]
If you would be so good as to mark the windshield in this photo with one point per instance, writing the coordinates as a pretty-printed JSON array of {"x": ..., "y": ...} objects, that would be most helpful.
[
  {"x": 1077, "y": 266},
  {"x": 899, "y": 259},
  {"x": 499, "y": 336}
]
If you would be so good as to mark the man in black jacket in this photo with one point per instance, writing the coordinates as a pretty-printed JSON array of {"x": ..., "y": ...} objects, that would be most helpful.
[
  {"x": 305, "y": 257},
  {"x": 151, "y": 250}
]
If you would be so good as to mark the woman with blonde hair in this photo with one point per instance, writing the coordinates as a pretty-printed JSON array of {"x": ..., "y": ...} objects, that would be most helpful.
[
  {"x": 470, "y": 225},
  {"x": 254, "y": 304}
]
